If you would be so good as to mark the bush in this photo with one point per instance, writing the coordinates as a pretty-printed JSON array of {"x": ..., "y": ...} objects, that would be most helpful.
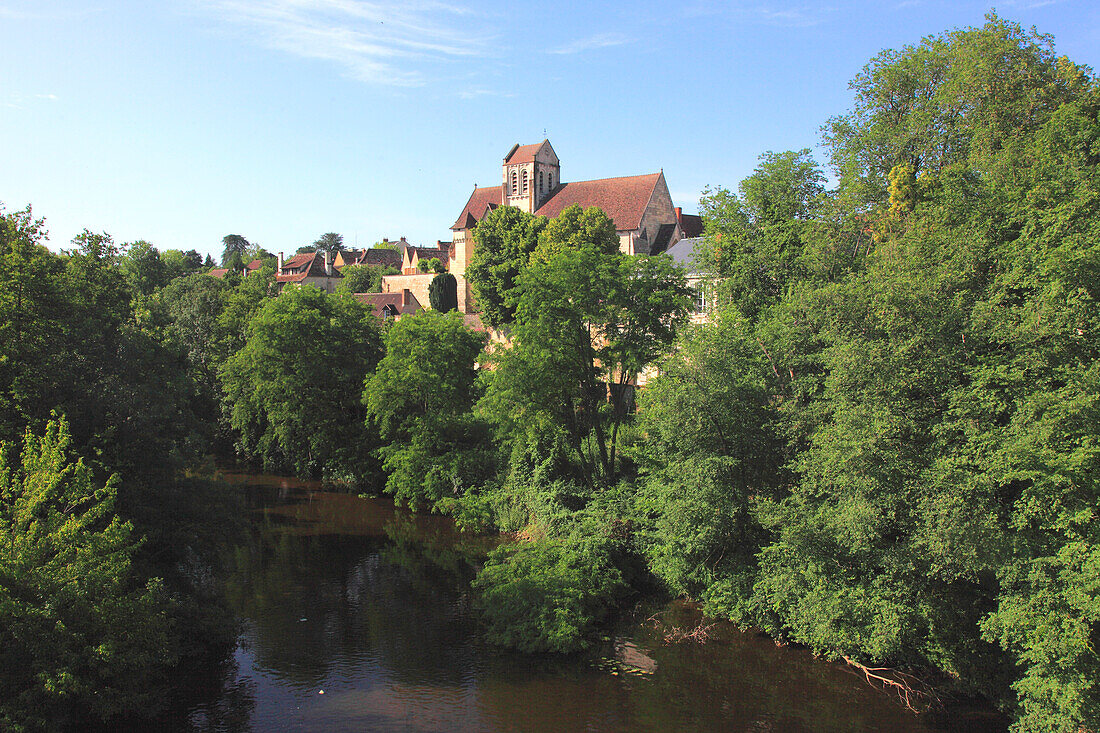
[{"x": 548, "y": 596}]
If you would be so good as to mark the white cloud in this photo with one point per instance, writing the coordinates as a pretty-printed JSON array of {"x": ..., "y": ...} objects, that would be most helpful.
[
  {"x": 599, "y": 40},
  {"x": 51, "y": 97},
  {"x": 771, "y": 13},
  {"x": 379, "y": 43}
]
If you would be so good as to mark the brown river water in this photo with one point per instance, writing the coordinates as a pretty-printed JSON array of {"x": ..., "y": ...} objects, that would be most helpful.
[{"x": 356, "y": 616}]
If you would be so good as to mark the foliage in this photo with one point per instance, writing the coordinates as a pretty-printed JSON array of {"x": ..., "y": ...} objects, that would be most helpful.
[
  {"x": 289, "y": 413},
  {"x": 234, "y": 247},
  {"x": 588, "y": 319},
  {"x": 420, "y": 398},
  {"x": 330, "y": 242},
  {"x": 443, "y": 292},
  {"x": 504, "y": 240},
  {"x": 548, "y": 596},
  {"x": 918, "y": 353},
  {"x": 363, "y": 278},
  {"x": 433, "y": 264},
  {"x": 79, "y": 634},
  {"x": 711, "y": 451}
]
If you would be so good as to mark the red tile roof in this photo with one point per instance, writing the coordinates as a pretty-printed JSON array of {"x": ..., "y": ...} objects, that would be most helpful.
[
  {"x": 218, "y": 273},
  {"x": 254, "y": 265},
  {"x": 314, "y": 264},
  {"x": 298, "y": 260},
  {"x": 622, "y": 199},
  {"x": 475, "y": 208},
  {"x": 523, "y": 153},
  {"x": 404, "y": 302}
]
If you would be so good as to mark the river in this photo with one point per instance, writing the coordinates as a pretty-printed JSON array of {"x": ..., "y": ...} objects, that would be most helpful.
[{"x": 356, "y": 616}]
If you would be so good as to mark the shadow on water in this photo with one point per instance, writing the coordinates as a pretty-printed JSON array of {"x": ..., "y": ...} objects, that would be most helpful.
[{"x": 356, "y": 616}]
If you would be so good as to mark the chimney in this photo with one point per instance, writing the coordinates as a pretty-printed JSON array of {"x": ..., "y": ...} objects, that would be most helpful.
[
  {"x": 405, "y": 295},
  {"x": 328, "y": 263},
  {"x": 402, "y": 238},
  {"x": 279, "y": 269},
  {"x": 679, "y": 214},
  {"x": 385, "y": 241}
]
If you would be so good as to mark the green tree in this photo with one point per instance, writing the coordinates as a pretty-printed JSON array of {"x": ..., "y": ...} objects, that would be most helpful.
[
  {"x": 330, "y": 242},
  {"x": 588, "y": 319},
  {"x": 79, "y": 633},
  {"x": 293, "y": 389},
  {"x": 504, "y": 240},
  {"x": 420, "y": 398},
  {"x": 233, "y": 244},
  {"x": 143, "y": 266},
  {"x": 443, "y": 292},
  {"x": 364, "y": 278}
]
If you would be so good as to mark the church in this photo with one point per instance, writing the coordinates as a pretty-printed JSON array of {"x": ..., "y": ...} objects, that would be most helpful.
[{"x": 641, "y": 207}]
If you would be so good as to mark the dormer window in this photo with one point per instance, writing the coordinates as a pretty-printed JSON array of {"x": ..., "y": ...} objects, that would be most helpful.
[
  {"x": 515, "y": 189},
  {"x": 525, "y": 181}
]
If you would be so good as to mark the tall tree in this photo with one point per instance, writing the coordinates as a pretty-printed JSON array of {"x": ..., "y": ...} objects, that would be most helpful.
[
  {"x": 233, "y": 244},
  {"x": 443, "y": 292},
  {"x": 588, "y": 319},
  {"x": 330, "y": 242},
  {"x": 504, "y": 241},
  {"x": 293, "y": 388},
  {"x": 420, "y": 398}
]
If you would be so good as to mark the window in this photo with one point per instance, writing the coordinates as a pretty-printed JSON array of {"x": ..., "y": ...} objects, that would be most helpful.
[
  {"x": 514, "y": 188},
  {"x": 704, "y": 297},
  {"x": 541, "y": 182},
  {"x": 551, "y": 176},
  {"x": 525, "y": 181}
]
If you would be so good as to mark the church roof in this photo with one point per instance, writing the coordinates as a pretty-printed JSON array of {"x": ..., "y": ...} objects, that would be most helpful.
[
  {"x": 622, "y": 199},
  {"x": 475, "y": 208},
  {"x": 523, "y": 153}
]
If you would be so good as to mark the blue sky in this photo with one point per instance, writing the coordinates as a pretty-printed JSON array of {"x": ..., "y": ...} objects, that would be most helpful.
[{"x": 181, "y": 121}]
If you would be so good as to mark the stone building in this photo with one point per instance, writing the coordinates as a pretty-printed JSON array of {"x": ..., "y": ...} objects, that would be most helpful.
[
  {"x": 309, "y": 268},
  {"x": 641, "y": 207}
]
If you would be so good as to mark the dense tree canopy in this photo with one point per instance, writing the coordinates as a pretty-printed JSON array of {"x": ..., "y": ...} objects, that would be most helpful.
[
  {"x": 293, "y": 389},
  {"x": 504, "y": 240}
]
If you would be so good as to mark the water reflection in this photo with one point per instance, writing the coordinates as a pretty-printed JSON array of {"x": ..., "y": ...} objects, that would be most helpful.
[{"x": 356, "y": 616}]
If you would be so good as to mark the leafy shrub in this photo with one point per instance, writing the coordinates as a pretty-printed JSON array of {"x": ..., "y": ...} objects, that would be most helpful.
[{"x": 548, "y": 596}]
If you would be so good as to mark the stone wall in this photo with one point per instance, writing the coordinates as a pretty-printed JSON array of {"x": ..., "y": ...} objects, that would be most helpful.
[{"x": 417, "y": 284}]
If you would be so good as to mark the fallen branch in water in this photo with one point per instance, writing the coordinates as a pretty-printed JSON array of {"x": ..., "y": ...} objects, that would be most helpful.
[
  {"x": 916, "y": 694},
  {"x": 675, "y": 634}
]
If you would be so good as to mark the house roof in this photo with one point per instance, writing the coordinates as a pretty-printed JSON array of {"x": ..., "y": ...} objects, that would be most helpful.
[
  {"x": 299, "y": 259},
  {"x": 219, "y": 272},
  {"x": 623, "y": 200},
  {"x": 664, "y": 236},
  {"x": 383, "y": 257},
  {"x": 255, "y": 264},
  {"x": 683, "y": 252},
  {"x": 402, "y": 303},
  {"x": 314, "y": 264},
  {"x": 692, "y": 224}
]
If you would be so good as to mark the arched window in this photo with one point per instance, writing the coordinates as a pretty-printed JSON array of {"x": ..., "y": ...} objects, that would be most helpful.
[
  {"x": 541, "y": 182},
  {"x": 551, "y": 176},
  {"x": 525, "y": 181},
  {"x": 514, "y": 188}
]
